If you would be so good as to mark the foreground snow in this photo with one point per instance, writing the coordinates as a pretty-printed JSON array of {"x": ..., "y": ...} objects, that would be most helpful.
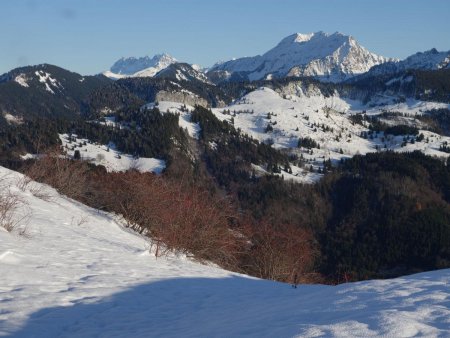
[{"x": 78, "y": 273}]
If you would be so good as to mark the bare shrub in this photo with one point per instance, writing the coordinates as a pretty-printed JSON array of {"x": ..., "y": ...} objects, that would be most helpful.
[
  {"x": 10, "y": 203},
  {"x": 178, "y": 219},
  {"x": 280, "y": 252},
  {"x": 25, "y": 183},
  {"x": 67, "y": 176},
  {"x": 181, "y": 218}
]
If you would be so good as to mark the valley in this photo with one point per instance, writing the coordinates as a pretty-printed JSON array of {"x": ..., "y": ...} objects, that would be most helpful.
[{"x": 301, "y": 192}]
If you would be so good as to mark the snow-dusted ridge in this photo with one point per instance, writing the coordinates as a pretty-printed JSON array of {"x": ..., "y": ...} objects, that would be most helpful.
[
  {"x": 79, "y": 273},
  {"x": 428, "y": 60}
]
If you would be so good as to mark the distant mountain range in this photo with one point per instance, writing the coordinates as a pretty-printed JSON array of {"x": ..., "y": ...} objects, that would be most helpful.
[{"x": 328, "y": 57}]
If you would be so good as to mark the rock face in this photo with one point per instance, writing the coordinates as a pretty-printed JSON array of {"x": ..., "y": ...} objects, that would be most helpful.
[
  {"x": 330, "y": 57},
  {"x": 181, "y": 97}
]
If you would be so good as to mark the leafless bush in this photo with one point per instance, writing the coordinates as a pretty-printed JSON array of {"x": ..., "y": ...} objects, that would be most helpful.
[
  {"x": 10, "y": 203},
  {"x": 25, "y": 183},
  {"x": 75, "y": 221},
  {"x": 282, "y": 253},
  {"x": 178, "y": 219},
  {"x": 66, "y": 176}
]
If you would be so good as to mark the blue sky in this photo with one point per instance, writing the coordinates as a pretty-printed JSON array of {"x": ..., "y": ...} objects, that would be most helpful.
[{"x": 87, "y": 36}]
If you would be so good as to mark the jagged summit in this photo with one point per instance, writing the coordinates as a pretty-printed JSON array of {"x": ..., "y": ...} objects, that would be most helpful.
[
  {"x": 331, "y": 57},
  {"x": 140, "y": 67}
]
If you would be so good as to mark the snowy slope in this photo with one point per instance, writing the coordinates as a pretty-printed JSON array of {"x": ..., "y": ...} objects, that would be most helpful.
[
  {"x": 306, "y": 115},
  {"x": 78, "y": 273},
  {"x": 139, "y": 67},
  {"x": 108, "y": 156},
  {"x": 332, "y": 57},
  {"x": 184, "y": 120}
]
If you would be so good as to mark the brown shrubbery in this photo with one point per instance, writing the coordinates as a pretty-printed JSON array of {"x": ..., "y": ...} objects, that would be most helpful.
[
  {"x": 177, "y": 218},
  {"x": 182, "y": 218},
  {"x": 281, "y": 253}
]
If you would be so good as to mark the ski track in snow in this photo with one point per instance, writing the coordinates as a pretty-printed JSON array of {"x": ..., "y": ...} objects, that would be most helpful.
[{"x": 79, "y": 273}]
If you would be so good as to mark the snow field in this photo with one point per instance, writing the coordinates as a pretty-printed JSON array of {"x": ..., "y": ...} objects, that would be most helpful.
[
  {"x": 77, "y": 272},
  {"x": 302, "y": 116},
  {"x": 109, "y": 157}
]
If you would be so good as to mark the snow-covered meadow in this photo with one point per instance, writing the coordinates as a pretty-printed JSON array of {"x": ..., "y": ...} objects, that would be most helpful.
[
  {"x": 71, "y": 271},
  {"x": 108, "y": 156},
  {"x": 327, "y": 121}
]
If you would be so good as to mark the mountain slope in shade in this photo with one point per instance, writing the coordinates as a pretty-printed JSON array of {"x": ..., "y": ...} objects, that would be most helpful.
[
  {"x": 428, "y": 60},
  {"x": 140, "y": 67},
  {"x": 331, "y": 57},
  {"x": 46, "y": 90}
]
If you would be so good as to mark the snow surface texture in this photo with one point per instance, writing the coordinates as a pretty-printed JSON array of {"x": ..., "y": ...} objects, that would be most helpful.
[
  {"x": 330, "y": 57},
  {"x": 77, "y": 272},
  {"x": 294, "y": 116},
  {"x": 108, "y": 156}
]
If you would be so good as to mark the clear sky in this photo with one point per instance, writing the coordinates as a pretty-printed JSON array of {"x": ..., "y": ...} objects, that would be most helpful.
[{"x": 88, "y": 36}]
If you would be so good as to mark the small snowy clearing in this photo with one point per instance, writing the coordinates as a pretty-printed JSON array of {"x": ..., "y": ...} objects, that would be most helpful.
[
  {"x": 22, "y": 80},
  {"x": 12, "y": 119},
  {"x": 108, "y": 156},
  {"x": 78, "y": 272}
]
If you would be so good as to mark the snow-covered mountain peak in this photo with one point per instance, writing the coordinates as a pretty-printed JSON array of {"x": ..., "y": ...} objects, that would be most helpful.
[
  {"x": 428, "y": 60},
  {"x": 140, "y": 67},
  {"x": 297, "y": 37},
  {"x": 331, "y": 57}
]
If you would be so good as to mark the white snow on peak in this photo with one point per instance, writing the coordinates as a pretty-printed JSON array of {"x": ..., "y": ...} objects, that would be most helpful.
[
  {"x": 428, "y": 60},
  {"x": 303, "y": 37},
  {"x": 140, "y": 67},
  {"x": 22, "y": 80},
  {"x": 197, "y": 67},
  {"x": 332, "y": 57},
  {"x": 49, "y": 82},
  {"x": 78, "y": 272}
]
